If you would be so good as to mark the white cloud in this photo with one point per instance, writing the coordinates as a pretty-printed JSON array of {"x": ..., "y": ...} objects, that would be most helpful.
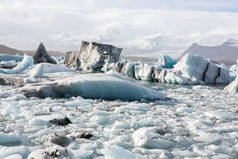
[{"x": 62, "y": 25}]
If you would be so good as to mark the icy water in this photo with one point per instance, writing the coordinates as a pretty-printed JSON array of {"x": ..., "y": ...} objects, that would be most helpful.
[{"x": 200, "y": 122}]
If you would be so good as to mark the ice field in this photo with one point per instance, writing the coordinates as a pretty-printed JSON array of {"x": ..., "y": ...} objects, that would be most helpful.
[
  {"x": 61, "y": 113},
  {"x": 194, "y": 122}
]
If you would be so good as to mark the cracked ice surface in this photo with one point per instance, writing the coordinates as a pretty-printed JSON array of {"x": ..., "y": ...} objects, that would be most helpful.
[{"x": 196, "y": 122}]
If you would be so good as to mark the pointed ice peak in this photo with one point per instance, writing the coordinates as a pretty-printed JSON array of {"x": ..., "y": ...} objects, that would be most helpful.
[
  {"x": 41, "y": 55},
  {"x": 41, "y": 46}
]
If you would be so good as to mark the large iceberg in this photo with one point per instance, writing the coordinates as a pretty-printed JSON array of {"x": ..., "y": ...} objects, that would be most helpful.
[
  {"x": 191, "y": 69},
  {"x": 199, "y": 70},
  {"x": 109, "y": 86},
  {"x": 92, "y": 56},
  {"x": 194, "y": 69}
]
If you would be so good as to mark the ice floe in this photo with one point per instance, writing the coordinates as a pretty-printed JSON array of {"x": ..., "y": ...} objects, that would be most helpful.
[
  {"x": 117, "y": 152},
  {"x": 151, "y": 139},
  {"x": 111, "y": 86}
]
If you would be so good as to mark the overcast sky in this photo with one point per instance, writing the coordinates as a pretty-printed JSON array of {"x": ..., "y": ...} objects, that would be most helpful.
[{"x": 62, "y": 24}]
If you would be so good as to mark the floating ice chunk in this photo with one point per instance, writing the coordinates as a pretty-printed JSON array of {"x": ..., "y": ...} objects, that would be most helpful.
[
  {"x": 222, "y": 115},
  {"x": 38, "y": 122},
  {"x": 94, "y": 86},
  {"x": 166, "y": 61},
  {"x": 8, "y": 64},
  {"x": 149, "y": 138},
  {"x": 44, "y": 68},
  {"x": 82, "y": 154},
  {"x": 199, "y": 70},
  {"x": 184, "y": 90},
  {"x": 117, "y": 152},
  {"x": 10, "y": 139},
  {"x": 207, "y": 137},
  {"x": 100, "y": 120},
  {"x": 121, "y": 125},
  {"x": 15, "y": 150},
  {"x": 8, "y": 57},
  {"x": 233, "y": 86},
  {"x": 24, "y": 65},
  {"x": 15, "y": 156},
  {"x": 133, "y": 107},
  {"x": 40, "y": 71},
  {"x": 184, "y": 110},
  {"x": 184, "y": 154},
  {"x": 50, "y": 152},
  {"x": 37, "y": 71}
]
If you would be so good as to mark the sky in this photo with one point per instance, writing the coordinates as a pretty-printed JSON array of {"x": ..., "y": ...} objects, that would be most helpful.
[{"x": 62, "y": 24}]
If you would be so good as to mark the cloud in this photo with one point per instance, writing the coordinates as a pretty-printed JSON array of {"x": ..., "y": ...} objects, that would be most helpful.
[{"x": 62, "y": 25}]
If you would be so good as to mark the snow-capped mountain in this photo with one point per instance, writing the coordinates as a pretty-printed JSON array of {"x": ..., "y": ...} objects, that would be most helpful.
[
  {"x": 226, "y": 52},
  {"x": 156, "y": 45}
]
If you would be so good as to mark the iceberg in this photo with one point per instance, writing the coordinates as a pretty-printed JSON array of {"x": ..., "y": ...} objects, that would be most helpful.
[
  {"x": 41, "y": 55},
  {"x": 24, "y": 65},
  {"x": 194, "y": 69},
  {"x": 109, "y": 86},
  {"x": 10, "y": 139},
  {"x": 191, "y": 69},
  {"x": 92, "y": 56}
]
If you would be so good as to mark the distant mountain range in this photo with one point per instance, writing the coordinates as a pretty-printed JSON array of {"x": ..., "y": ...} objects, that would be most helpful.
[
  {"x": 8, "y": 50},
  {"x": 151, "y": 48},
  {"x": 226, "y": 52}
]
